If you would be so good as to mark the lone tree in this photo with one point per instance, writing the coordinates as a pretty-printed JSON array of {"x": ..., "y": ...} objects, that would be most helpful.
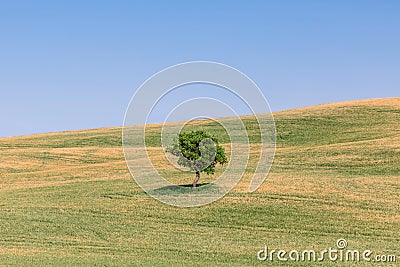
[{"x": 198, "y": 151}]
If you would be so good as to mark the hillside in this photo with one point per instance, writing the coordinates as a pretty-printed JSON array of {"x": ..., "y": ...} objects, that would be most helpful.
[{"x": 68, "y": 199}]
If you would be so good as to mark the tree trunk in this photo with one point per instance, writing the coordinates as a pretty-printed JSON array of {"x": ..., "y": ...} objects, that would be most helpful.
[
  {"x": 196, "y": 180},
  {"x": 196, "y": 169}
]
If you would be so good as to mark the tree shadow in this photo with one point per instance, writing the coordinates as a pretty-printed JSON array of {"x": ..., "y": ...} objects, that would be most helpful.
[
  {"x": 186, "y": 189},
  {"x": 190, "y": 185}
]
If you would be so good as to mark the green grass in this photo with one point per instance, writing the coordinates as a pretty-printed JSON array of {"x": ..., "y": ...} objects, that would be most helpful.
[{"x": 67, "y": 199}]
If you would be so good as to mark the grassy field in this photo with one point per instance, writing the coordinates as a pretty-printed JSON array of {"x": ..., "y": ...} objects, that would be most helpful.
[{"x": 68, "y": 199}]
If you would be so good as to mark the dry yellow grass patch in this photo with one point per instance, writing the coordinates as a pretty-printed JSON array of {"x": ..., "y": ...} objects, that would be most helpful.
[{"x": 375, "y": 102}]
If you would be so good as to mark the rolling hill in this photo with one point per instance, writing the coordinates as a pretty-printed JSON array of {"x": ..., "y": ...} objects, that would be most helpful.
[{"x": 68, "y": 198}]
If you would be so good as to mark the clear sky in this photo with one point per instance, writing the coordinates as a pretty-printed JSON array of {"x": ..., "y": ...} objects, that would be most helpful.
[{"x": 75, "y": 64}]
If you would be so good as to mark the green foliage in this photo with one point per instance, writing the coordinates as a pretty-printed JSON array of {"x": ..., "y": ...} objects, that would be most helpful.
[{"x": 198, "y": 151}]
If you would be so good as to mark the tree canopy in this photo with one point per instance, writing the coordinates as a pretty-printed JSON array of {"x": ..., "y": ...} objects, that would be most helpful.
[{"x": 198, "y": 151}]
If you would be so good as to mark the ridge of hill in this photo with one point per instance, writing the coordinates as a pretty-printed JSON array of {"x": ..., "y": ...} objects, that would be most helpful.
[{"x": 68, "y": 199}]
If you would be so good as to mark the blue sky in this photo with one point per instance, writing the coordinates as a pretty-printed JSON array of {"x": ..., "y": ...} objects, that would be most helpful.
[{"x": 75, "y": 64}]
